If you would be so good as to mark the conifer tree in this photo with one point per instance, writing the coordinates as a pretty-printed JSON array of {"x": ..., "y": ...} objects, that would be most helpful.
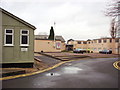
[{"x": 51, "y": 36}]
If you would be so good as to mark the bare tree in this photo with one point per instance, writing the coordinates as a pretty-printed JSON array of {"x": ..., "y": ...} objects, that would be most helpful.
[
  {"x": 113, "y": 29},
  {"x": 113, "y": 11}
]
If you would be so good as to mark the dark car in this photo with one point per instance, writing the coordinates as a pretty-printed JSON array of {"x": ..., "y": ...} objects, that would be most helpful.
[
  {"x": 79, "y": 51},
  {"x": 106, "y": 51}
]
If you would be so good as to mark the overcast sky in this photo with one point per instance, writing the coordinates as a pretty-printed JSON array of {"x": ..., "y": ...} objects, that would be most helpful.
[{"x": 76, "y": 19}]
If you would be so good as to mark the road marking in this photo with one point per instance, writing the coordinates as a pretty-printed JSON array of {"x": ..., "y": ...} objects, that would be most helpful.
[{"x": 115, "y": 64}]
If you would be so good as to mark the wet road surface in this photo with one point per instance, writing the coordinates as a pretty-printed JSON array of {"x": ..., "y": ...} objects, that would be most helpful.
[
  {"x": 48, "y": 60},
  {"x": 86, "y": 73}
]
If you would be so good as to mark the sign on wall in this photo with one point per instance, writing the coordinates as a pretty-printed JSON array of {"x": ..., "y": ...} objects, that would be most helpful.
[
  {"x": 58, "y": 45},
  {"x": 24, "y": 49}
]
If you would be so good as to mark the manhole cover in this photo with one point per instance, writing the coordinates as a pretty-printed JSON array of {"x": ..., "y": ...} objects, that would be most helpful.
[{"x": 52, "y": 74}]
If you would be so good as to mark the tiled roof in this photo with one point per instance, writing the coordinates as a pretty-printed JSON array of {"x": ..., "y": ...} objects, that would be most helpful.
[{"x": 45, "y": 37}]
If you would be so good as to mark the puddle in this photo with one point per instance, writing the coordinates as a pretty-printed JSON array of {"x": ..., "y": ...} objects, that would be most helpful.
[
  {"x": 68, "y": 64},
  {"x": 52, "y": 74},
  {"x": 65, "y": 70},
  {"x": 71, "y": 70}
]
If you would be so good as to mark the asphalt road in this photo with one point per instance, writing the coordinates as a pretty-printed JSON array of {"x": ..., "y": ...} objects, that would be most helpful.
[
  {"x": 89, "y": 73},
  {"x": 48, "y": 60}
]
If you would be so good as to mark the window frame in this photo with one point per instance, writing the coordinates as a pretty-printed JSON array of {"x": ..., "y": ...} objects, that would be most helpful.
[
  {"x": 12, "y": 44},
  {"x": 24, "y": 35}
]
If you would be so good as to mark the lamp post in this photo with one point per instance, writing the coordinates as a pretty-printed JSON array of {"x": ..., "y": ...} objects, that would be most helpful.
[{"x": 54, "y": 34}]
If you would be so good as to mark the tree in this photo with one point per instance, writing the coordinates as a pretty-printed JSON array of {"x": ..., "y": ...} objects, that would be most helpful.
[
  {"x": 51, "y": 36},
  {"x": 113, "y": 11},
  {"x": 113, "y": 29}
]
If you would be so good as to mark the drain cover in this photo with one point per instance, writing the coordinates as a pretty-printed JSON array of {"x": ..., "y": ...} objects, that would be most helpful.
[{"x": 52, "y": 74}]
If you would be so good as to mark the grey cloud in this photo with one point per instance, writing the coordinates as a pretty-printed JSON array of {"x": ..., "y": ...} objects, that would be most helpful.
[{"x": 80, "y": 19}]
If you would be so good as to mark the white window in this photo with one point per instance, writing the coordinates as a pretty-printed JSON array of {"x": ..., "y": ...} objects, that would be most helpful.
[
  {"x": 24, "y": 38},
  {"x": 8, "y": 37}
]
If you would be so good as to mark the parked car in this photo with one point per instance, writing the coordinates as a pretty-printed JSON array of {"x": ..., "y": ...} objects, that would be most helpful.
[
  {"x": 88, "y": 51},
  {"x": 106, "y": 51},
  {"x": 79, "y": 51}
]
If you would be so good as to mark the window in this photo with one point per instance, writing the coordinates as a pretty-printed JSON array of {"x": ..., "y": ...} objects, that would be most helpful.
[
  {"x": 8, "y": 40},
  {"x": 104, "y": 40},
  {"x": 95, "y": 49},
  {"x": 79, "y": 42},
  {"x": 110, "y": 48},
  {"x": 116, "y": 50},
  {"x": 110, "y": 40},
  {"x": 84, "y": 42},
  {"x": 45, "y": 37},
  {"x": 95, "y": 41},
  {"x": 24, "y": 38},
  {"x": 116, "y": 40},
  {"x": 99, "y": 49},
  {"x": 88, "y": 42},
  {"x": 99, "y": 40},
  {"x": 104, "y": 48}
]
